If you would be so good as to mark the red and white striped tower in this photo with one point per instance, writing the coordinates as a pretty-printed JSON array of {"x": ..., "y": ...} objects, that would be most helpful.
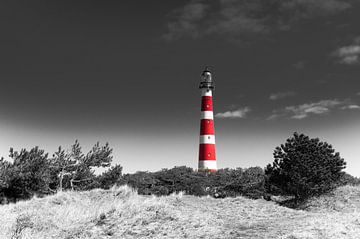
[{"x": 207, "y": 157}]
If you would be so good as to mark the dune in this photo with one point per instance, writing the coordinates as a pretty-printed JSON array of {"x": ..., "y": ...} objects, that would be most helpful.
[{"x": 122, "y": 213}]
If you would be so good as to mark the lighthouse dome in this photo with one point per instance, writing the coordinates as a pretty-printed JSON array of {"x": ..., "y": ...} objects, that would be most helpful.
[{"x": 206, "y": 76}]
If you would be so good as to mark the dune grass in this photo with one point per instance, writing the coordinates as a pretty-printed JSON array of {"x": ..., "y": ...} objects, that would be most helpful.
[{"x": 122, "y": 213}]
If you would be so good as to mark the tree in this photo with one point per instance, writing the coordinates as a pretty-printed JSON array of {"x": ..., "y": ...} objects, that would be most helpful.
[
  {"x": 304, "y": 167},
  {"x": 4, "y": 165},
  {"x": 74, "y": 169},
  {"x": 4, "y": 179},
  {"x": 27, "y": 175},
  {"x": 62, "y": 165},
  {"x": 110, "y": 177}
]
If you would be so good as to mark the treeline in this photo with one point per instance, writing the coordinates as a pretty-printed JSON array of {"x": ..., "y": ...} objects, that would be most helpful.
[
  {"x": 302, "y": 167},
  {"x": 34, "y": 172}
]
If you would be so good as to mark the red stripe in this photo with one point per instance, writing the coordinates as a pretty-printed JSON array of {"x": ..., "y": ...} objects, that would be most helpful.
[
  {"x": 206, "y": 103},
  {"x": 207, "y": 127},
  {"x": 207, "y": 152}
]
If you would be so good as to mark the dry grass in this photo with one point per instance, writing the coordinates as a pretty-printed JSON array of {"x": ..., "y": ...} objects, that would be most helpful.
[{"x": 121, "y": 213}]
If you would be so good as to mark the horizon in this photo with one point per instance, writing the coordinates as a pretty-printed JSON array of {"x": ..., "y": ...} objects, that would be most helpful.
[{"x": 127, "y": 73}]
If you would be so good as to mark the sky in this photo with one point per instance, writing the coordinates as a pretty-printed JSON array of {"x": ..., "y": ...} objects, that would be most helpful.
[{"x": 127, "y": 72}]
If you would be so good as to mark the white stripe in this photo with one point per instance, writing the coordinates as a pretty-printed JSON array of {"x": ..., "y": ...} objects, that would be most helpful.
[
  {"x": 206, "y": 92},
  {"x": 207, "y": 164},
  {"x": 207, "y": 139},
  {"x": 207, "y": 115}
]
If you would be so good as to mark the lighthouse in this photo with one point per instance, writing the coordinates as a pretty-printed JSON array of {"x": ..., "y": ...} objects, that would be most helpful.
[{"x": 207, "y": 157}]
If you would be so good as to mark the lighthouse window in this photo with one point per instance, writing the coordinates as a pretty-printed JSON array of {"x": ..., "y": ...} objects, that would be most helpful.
[
  {"x": 208, "y": 121},
  {"x": 209, "y": 155},
  {"x": 207, "y": 106},
  {"x": 208, "y": 137}
]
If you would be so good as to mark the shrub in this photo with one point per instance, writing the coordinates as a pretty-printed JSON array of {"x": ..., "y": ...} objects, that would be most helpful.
[
  {"x": 249, "y": 182},
  {"x": 197, "y": 189},
  {"x": 253, "y": 180},
  {"x": 348, "y": 179},
  {"x": 223, "y": 183},
  {"x": 110, "y": 177},
  {"x": 304, "y": 167},
  {"x": 142, "y": 181}
]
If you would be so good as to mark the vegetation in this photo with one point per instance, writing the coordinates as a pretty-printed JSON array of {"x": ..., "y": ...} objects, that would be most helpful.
[
  {"x": 26, "y": 175},
  {"x": 78, "y": 167},
  {"x": 223, "y": 183},
  {"x": 35, "y": 173},
  {"x": 302, "y": 167},
  {"x": 109, "y": 178},
  {"x": 32, "y": 172},
  {"x": 348, "y": 179},
  {"x": 122, "y": 213},
  {"x": 69, "y": 203},
  {"x": 305, "y": 167}
]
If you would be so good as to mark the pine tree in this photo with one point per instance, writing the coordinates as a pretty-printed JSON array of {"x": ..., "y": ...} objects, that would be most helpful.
[
  {"x": 304, "y": 167},
  {"x": 74, "y": 169},
  {"x": 110, "y": 177},
  {"x": 27, "y": 175}
]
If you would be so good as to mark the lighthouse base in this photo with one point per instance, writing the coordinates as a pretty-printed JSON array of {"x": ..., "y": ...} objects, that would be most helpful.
[{"x": 207, "y": 166}]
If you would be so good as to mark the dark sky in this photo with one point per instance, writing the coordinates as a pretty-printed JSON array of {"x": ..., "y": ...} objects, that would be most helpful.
[{"x": 127, "y": 72}]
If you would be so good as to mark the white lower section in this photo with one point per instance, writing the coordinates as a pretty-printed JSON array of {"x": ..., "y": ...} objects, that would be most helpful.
[
  {"x": 206, "y": 92},
  {"x": 207, "y": 139},
  {"x": 207, "y": 115},
  {"x": 207, "y": 164}
]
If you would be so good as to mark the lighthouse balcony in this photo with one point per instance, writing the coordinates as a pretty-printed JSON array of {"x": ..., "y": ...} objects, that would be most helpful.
[{"x": 207, "y": 85}]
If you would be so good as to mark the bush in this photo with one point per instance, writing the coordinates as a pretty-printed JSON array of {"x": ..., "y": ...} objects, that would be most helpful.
[
  {"x": 249, "y": 183},
  {"x": 304, "y": 167},
  {"x": 110, "y": 177},
  {"x": 223, "y": 183},
  {"x": 142, "y": 181},
  {"x": 348, "y": 179}
]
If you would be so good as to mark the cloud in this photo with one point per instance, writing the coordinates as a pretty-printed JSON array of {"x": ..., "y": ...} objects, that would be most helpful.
[
  {"x": 273, "y": 116},
  {"x": 318, "y": 108},
  {"x": 187, "y": 20},
  {"x": 350, "y": 107},
  {"x": 303, "y": 111},
  {"x": 349, "y": 55},
  {"x": 281, "y": 95},
  {"x": 238, "y": 17},
  {"x": 239, "y": 113}
]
